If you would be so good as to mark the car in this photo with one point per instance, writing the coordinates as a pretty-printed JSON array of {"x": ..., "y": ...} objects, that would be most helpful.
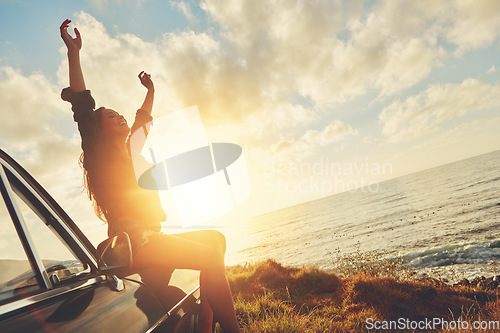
[{"x": 52, "y": 278}]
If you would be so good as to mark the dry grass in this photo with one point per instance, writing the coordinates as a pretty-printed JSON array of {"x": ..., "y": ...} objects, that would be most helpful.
[{"x": 269, "y": 297}]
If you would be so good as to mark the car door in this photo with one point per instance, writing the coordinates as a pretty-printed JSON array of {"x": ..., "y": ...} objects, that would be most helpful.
[{"x": 48, "y": 274}]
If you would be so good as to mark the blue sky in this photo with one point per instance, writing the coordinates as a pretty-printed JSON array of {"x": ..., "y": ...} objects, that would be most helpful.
[
  {"x": 297, "y": 84},
  {"x": 23, "y": 22}
]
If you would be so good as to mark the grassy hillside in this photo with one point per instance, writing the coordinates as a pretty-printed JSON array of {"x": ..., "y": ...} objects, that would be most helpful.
[{"x": 269, "y": 297}]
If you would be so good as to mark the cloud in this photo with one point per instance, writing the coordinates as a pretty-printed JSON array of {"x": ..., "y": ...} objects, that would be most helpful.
[
  {"x": 36, "y": 125},
  {"x": 249, "y": 79},
  {"x": 462, "y": 141},
  {"x": 188, "y": 68},
  {"x": 334, "y": 132},
  {"x": 334, "y": 51},
  {"x": 289, "y": 47},
  {"x": 38, "y": 131},
  {"x": 110, "y": 65},
  {"x": 311, "y": 140},
  {"x": 185, "y": 9},
  {"x": 472, "y": 23},
  {"x": 424, "y": 113},
  {"x": 328, "y": 51},
  {"x": 265, "y": 54},
  {"x": 30, "y": 103},
  {"x": 101, "y": 4}
]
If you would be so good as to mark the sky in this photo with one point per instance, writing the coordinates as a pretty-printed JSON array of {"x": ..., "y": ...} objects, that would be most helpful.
[{"x": 323, "y": 96}]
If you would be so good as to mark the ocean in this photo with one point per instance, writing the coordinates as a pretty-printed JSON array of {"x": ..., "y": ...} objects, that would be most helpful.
[{"x": 441, "y": 221}]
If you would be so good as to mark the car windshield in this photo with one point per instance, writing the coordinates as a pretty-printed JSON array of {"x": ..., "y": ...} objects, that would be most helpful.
[
  {"x": 16, "y": 275},
  {"x": 58, "y": 259}
]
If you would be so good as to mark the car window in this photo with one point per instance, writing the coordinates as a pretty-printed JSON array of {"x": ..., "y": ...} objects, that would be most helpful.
[
  {"x": 58, "y": 259},
  {"x": 16, "y": 276}
]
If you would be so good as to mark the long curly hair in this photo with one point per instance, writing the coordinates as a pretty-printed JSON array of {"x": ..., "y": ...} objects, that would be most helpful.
[{"x": 89, "y": 162}]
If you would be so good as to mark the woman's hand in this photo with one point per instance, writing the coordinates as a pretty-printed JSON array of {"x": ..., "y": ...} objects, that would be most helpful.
[
  {"x": 146, "y": 80},
  {"x": 73, "y": 44},
  {"x": 147, "y": 105}
]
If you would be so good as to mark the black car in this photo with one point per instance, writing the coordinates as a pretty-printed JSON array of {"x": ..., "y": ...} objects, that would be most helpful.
[{"x": 53, "y": 279}]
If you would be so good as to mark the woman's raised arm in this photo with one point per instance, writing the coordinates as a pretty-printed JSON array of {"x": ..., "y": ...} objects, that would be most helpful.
[
  {"x": 146, "y": 81},
  {"x": 76, "y": 81}
]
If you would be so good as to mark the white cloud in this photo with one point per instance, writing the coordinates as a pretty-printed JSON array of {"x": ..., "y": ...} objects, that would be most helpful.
[
  {"x": 184, "y": 8},
  {"x": 336, "y": 131},
  {"x": 473, "y": 23},
  {"x": 31, "y": 106},
  {"x": 332, "y": 133},
  {"x": 425, "y": 112},
  {"x": 267, "y": 53},
  {"x": 288, "y": 47},
  {"x": 101, "y": 4},
  {"x": 188, "y": 68},
  {"x": 333, "y": 51},
  {"x": 465, "y": 140},
  {"x": 36, "y": 126},
  {"x": 37, "y": 130},
  {"x": 492, "y": 70}
]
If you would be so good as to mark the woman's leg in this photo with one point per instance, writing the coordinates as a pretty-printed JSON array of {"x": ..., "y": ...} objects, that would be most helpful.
[
  {"x": 214, "y": 239},
  {"x": 203, "y": 251},
  {"x": 205, "y": 320}
]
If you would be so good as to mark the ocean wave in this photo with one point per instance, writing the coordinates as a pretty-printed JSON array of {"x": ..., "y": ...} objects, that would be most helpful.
[{"x": 468, "y": 253}]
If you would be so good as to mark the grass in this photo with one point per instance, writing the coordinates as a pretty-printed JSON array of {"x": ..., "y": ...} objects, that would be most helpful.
[{"x": 270, "y": 297}]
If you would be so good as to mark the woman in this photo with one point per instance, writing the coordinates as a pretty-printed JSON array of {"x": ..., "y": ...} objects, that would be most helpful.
[{"x": 117, "y": 199}]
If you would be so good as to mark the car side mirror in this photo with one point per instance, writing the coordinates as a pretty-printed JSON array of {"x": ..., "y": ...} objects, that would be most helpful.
[{"x": 114, "y": 255}]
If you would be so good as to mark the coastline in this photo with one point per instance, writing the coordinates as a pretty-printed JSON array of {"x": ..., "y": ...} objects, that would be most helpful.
[
  {"x": 443, "y": 221},
  {"x": 270, "y": 297}
]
